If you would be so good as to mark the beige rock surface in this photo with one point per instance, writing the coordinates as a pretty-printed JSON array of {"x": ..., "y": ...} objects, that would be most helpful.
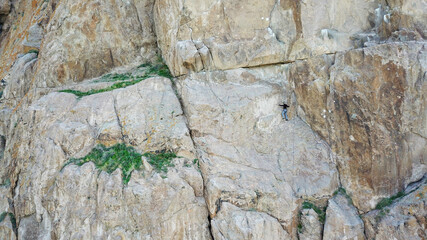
[
  {"x": 4, "y": 7},
  {"x": 85, "y": 39},
  {"x": 18, "y": 81},
  {"x": 234, "y": 223},
  {"x": 404, "y": 219},
  {"x": 6, "y": 229},
  {"x": 149, "y": 207},
  {"x": 370, "y": 105},
  {"x": 64, "y": 127},
  {"x": 213, "y": 34},
  {"x": 250, "y": 156},
  {"x": 358, "y": 117},
  {"x": 342, "y": 220},
  {"x": 311, "y": 228}
]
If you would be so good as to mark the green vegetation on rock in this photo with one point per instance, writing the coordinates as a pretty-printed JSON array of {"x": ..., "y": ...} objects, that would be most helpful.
[
  {"x": 108, "y": 159},
  {"x": 123, "y": 80},
  {"x": 321, "y": 213},
  {"x": 385, "y": 202},
  {"x": 12, "y": 219},
  {"x": 126, "y": 158},
  {"x": 160, "y": 160},
  {"x": 343, "y": 192}
]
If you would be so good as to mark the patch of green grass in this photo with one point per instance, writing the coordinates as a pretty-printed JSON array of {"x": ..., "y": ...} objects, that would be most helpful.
[
  {"x": 123, "y": 80},
  {"x": 321, "y": 213},
  {"x": 108, "y": 159},
  {"x": 34, "y": 51},
  {"x": 385, "y": 202},
  {"x": 107, "y": 89},
  {"x": 114, "y": 77},
  {"x": 161, "y": 160}
]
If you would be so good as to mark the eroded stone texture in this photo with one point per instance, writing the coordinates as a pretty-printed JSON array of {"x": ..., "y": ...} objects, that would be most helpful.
[
  {"x": 408, "y": 19},
  {"x": 6, "y": 229},
  {"x": 342, "y": 220},
  {"x": 370, "y": 105},
  {"x": 234, "y": 223},
  {"x": 404, "y": 219},
  {"x": 18, "y": 81},
  {"x": 250, "y": 156},
  {"x": 213, "y": 34},
  {"x": 60, "y": 126},
  {"x": 85, "y": 39},
  {"x": 4, "y": 7},
  {"x": 310, "y": 227},
  {"x": 149, "y": 207}
]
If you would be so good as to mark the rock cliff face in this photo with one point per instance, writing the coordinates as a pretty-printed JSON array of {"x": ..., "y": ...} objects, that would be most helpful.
[{"x": 201, "y": 82}]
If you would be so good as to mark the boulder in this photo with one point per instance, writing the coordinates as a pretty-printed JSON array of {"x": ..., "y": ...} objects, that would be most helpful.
[
  {"x": 234, "y": 223},
  {"x": 342, "y": 220},
  {"x": 404, "y": 219},
  {"x": 310, "y": 227}
]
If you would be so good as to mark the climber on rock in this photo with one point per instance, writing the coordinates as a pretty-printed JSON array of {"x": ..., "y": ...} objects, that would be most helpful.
[{"x": 285, "y": 111}]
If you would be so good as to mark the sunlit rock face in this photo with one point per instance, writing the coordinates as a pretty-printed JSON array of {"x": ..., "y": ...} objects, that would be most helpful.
[{"x": 349, "y": 163}]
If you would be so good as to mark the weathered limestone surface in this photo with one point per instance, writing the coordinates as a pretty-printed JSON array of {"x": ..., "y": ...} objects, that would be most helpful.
[
  {"x": 358, "y": 118},
  {"x": 408, "y": 18},
  {"x": 311, "y": 228},
  {"x": 85, "y": 39},
  {"x": 250, "y": 156},
  {"x": 18, "y": 81},
  {"x": 370, "y": 106},
  {"x": 234, "y": 223},
  {"x": 4, "y": 7},
  {"x": 404, "y": 219},
  {"x": 342, "y": 220},
  {"x": 6, "y": 229},
  {"x": 214, "y": 34},
  {"x": 60, "y": 126}
]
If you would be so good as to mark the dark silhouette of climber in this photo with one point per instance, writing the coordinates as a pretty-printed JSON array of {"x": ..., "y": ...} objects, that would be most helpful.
[{"x": 285, "y": 111}]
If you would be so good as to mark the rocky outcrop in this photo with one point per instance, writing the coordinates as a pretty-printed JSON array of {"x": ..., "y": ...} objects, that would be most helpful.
[
  {"x": 234, "y": 223},
  {"x": 370, "y": 106},
  {"x": 80, "y": 193},
  {"x": 6, "y": 227},
  {"x": 18, "y": 81},
  {"x": 250, "y": 156},
  {"x": 353, "y": 73},
  {"x": 404, "y": 219},
  {"x": 4, "y": 7},
  {"x": 85, "y": 39},
  {"x": 223, "y": 35},
  {"x": 310, "y": 227},
  {"x": 342, "y": 220}
]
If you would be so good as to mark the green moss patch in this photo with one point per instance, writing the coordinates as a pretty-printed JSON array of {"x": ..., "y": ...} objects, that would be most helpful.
[
  {"x": 126, "y": 158},
  {"x": 321, "y": 212},
  {"x": 117, "y": 85},
  {"x": 108, "y": 159},
  {"x": 157, "y": 68},
  {"x": 385, "y": 202},
  {"x": 160, "y": 160}
]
